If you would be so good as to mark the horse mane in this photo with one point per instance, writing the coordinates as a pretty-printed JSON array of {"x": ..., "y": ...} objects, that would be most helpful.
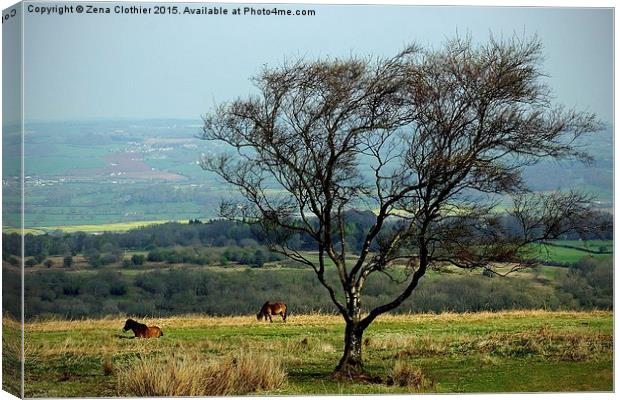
[
  {"x": 264, "y": 307},
  {"x": 136, "y": 324}
]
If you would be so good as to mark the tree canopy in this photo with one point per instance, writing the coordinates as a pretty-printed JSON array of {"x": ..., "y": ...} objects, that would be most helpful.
[{"x": 431, "y": 139}]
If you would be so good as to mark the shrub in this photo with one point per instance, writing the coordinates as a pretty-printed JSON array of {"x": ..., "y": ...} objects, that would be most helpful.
[
  {"x": 585, "y": 265},
  {"x": 67, "y": 262},
  {"x": 95, "y": 287},
  {"x": 118, "y": 288},
  {"x": 108, "y": 258},
  {"x": 92, "y": 256},
  {"x": 151, "y": 282},
  {"x": 185, "y": 376},
  {"x": 137, "y": 259},
  {"x": 31, "y": 262}
]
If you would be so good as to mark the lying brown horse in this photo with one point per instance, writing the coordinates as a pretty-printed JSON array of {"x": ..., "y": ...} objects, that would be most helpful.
[
  {"x": 141, "y": 330},
  {"x": 270, "y": 309}
]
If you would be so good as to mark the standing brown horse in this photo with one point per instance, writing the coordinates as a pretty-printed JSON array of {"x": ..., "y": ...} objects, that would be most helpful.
[
  {"x": 141, "y": 330},
  {"x": 270, "y": 309}
]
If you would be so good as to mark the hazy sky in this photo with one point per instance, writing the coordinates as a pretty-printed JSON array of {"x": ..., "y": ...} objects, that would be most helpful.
[{"x": 136, "y": 66}]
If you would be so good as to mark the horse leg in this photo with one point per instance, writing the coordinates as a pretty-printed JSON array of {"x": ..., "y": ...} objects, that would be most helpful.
[{"x": 269, "y": 315}]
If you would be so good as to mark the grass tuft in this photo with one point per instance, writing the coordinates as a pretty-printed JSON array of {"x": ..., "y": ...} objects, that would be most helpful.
[
  {"x": 310, "y": 345},
  {"x": 239, "y": 374},
  {"x": 108, "y": 366},
  {"x": 410, "y": 376}
]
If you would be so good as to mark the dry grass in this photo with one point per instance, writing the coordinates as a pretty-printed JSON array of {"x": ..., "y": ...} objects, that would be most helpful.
[
  {"x": 410, "y": 376},
  {"x": 12, "y": 338},
  {"x": 309, "y": 344},
  {"x": 566, "y": 346},
  {"x": 570, "y": 345},
  {"x": 197, "y": 321},
  {"x": 84, "y": 345},
  {"x": 238, "y": 374},
  {"x": 488, "y": 315},
  {"x": 179, "y": 322},
  {"x": 107, "y": 365}
]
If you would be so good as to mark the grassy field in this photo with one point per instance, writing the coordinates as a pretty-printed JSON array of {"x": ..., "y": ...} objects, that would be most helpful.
[
  {"x": 525, "y": 351},
  {"x": 11, "y": 351},
  {"x": 573, "y": 255},
  {"x": 117, "y": 227},
  {"x": 593, "y": 245},
  {"x": 94, "y": 228}
]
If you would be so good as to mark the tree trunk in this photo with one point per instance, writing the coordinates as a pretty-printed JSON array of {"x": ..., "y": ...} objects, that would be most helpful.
[{"x": 351, "y": 364}]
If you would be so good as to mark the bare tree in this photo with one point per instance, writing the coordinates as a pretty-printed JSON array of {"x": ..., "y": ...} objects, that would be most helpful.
[{"x": 444, "y": 133}]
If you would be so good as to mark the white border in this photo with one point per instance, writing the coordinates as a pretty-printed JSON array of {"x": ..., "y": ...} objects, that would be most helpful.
[{"x": 506, "y": 3}]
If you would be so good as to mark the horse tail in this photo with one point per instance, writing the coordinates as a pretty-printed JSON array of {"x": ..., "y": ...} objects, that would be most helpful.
[{"x": 284, "y": 316}]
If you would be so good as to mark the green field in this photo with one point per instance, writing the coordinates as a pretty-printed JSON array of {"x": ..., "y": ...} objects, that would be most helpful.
[
  {"x": 593, "y": 245},
  {"x": 90, "y": 228},
  {"x": 573, "y": 255},
  {"x": 118, "y": 227},
  {"x": 519, "y": 351}
]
